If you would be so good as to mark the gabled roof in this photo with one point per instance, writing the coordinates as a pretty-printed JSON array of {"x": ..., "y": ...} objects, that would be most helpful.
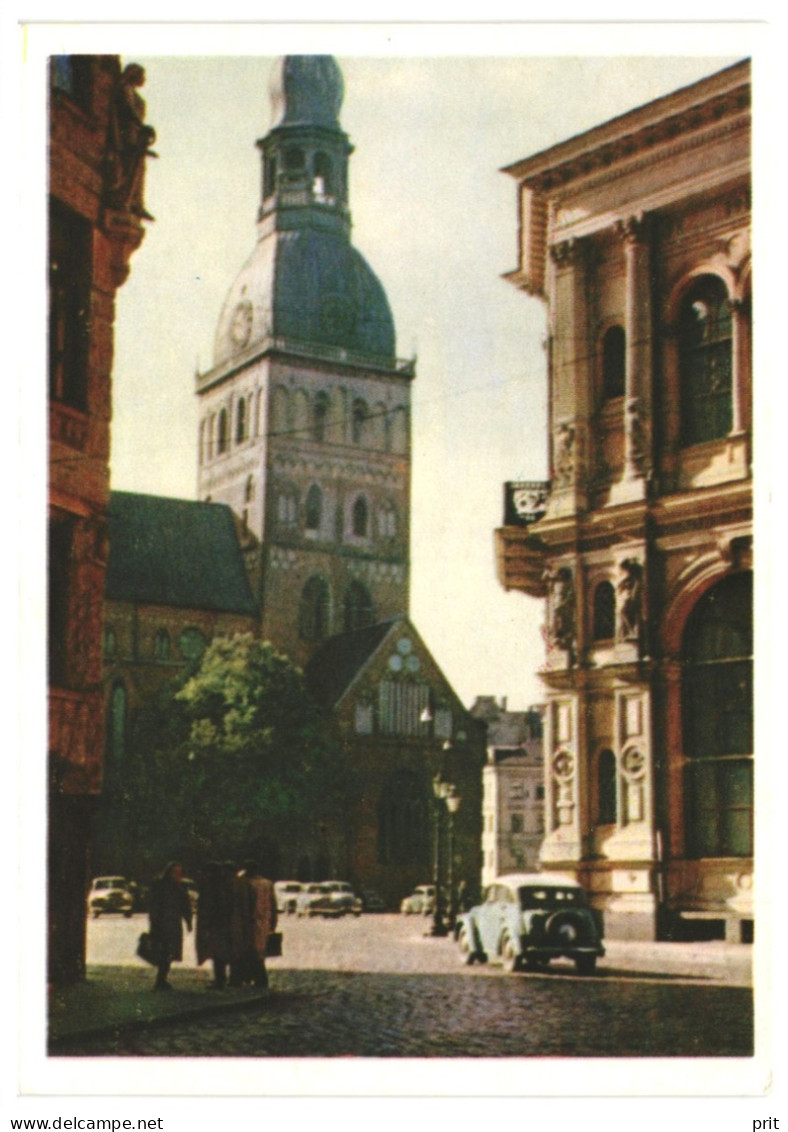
[
  {"x": 338, "y": 662},
  {"x": 175, "y": 552}
]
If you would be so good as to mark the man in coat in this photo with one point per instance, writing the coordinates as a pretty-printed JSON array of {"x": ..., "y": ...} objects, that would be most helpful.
[
  {"x": 254, "y": 918},
  {"x": 214, "y": 919},
  {"x": 168, "y": 909}
]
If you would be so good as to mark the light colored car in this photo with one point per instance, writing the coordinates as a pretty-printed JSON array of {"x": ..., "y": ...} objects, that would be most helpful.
[
  {"x": 420, "y": 902},
  {"x": 344, "y": 898},
  {"x": 313, "y": 900},
  {"x": 110, "y": 894},
  {"x": 527, "y": 919},
  {"x": 287, "y": 895}
]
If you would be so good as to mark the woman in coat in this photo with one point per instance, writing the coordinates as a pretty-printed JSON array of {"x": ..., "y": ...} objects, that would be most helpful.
[
  {"x": 168, "y": 909},
  {"x": 214, "y": 919},
  {"x": 254, "y": 918}
]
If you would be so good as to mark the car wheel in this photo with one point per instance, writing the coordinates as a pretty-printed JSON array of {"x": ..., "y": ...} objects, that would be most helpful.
[
  {"x": 533, "y": 963},
  {"x": 465, "y": 945},
  {"x": 510, "y": 956},
  {"x": 585, "y": 964}
]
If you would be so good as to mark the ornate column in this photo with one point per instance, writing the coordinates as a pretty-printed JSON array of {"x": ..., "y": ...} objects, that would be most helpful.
[
  {"x": 563, "y": 841},
  {"x": 635, "y": 235},
  {"x": 570, "y": 394}
]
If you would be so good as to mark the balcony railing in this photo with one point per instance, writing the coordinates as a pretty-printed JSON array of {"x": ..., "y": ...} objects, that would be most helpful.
[{"x": 524, "y": 502}]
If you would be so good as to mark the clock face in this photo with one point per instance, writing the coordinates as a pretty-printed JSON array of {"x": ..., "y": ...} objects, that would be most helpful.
[{"x": 241, "y": 325}]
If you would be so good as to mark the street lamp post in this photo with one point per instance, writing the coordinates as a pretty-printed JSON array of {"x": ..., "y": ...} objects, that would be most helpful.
[
  {"x": 452, "y": 806},
  {"x": 438, "y": 790}
]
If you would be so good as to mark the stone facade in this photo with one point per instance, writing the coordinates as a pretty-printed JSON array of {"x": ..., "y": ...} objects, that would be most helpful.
[
  {"x": 636, "y": 235},
  {"x": 92, "y": 235}
]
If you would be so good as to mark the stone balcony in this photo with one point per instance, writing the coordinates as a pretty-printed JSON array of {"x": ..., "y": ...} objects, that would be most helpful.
[{"x": 519, "y": 554}]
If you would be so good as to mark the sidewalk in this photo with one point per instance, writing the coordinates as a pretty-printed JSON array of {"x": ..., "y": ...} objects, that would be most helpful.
[{"x": 121, "y": 997}]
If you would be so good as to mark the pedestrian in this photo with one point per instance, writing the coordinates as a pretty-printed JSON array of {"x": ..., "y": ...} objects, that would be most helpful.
[
  {"x": 254, "y": 918},
  {"x": 169, "y": 905},
  {"x": 214, "y": 920}
]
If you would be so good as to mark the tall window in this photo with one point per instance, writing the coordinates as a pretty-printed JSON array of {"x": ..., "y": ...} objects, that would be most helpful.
[
  {"x": 313, "y": 610},
  {"x": 400, "y": 707},
  {"x": 70, "y": 269},
  {"x": 359, "y": 422},
  {"x": 604, "y": 627},
  {"x": 72, "y": 75},
  {"x": 221, "y": 442},
  {"x": 613, "y": 362},
  {"x": 323, "y": 185},
  {"x": 314, "y": 508},
  {"x": 717, "y": 704},
  {"x": 358, "y": 610},
  {"x": 240, "y": 422},
  {"x": 360, "y": 517},
  {"x": 60, "y": 540},
  {"x": 161, "y": 645},
  {"x": 705, "y": 376},
  {"x": 320, "y": 417},
  {"x": 117, "y": 723},
  {"x": 606, "y": 788}
]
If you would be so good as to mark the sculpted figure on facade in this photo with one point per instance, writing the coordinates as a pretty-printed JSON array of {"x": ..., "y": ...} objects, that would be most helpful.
[
  {"x": 129, "y": 142},
  {"x": 564, "y": 455},
  {"x": 630, "y": 600},
  {"x": 561, "y": 631}
]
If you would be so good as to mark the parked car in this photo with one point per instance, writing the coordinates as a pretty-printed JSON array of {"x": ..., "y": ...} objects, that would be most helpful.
[
  {"x": 287, "y": 895},
  {"x": 420, "y": 902},
  {"x": 372, "y": 901},
  {"x": 344, "y": 898},
  {"x": 110, "y": 894},
  {"x": 314, "y": 900},
  {"x": 527, "y": 919}
]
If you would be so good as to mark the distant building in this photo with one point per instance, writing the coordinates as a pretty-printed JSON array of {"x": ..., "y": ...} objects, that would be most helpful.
[
  {"x": 96, "y": 163},
  {"x": 637, "y": 236},
  {"x": 513, "y": 788},
  {"x": 175, "y": 580}
]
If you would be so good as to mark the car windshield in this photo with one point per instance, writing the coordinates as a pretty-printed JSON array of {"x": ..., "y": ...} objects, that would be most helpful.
[
  {"x": 544, "y": 897},
  {"x": 110, "y": 882}
]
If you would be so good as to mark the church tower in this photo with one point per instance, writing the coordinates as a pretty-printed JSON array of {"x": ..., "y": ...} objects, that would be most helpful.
[{"x": 304, "y": 423}]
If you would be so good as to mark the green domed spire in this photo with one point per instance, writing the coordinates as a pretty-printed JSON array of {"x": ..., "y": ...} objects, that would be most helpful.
[{"x": 306, "y": 90}]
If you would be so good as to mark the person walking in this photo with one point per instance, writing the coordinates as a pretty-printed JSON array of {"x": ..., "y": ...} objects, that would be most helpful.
[
  {"x": 254, "y": 918},
  {"x": 168, "y": 909},
  {"x": 214, "y": 918}
]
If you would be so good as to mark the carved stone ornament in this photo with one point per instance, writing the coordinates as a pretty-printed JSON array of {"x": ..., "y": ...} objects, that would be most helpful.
[
  {"x": 634, "y": 229},
  {"x": 634, "y": 763},
  {"x": 566, "y": 253},
  {"x": 564, "y": 455},
  {"x": 129, "y": 141},
  {"x": 636, "y": 431},
  {"x": 630, "y": 600},
  {"x": 563, "y": 765},
  {"x": 562, "y": 608}
]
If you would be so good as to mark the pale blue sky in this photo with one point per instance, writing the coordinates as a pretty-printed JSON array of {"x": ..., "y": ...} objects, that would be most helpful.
[{"x": 437, "y": 221}]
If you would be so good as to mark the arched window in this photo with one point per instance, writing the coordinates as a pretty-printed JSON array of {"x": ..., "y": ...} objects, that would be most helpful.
[
  {"x": 359, "y": 421},
  {"x": 403, "y": 822},
  {"x": 192, "y": 643},
  {"x": 606, "y": 788},
  {"x": 360, "y": 517},
  {"x": 287, "y": 508},
  {"x": 294, "y": 159},
  {"x": 613, "y": 362},
  {"x": 221, "y": 443},
  {"x": 358, "y": 610},
  {"x": 314, "y": 610},
  {"x": 240, "y": 421},
  {"x": 604, "y": 627},
  {"x": 705, "y": 376},
  {"x": 320, "y": 417},
  {"x": 161, "y": 645},
  {"x": 323, "y": 182},
  {"x": 387, "y": 521},
  {"x": 314, "y": 508},
  {"x": 269, "y": 178},
  {"x": 110, "y": 643},
  {"x": 717, "y": 704}
]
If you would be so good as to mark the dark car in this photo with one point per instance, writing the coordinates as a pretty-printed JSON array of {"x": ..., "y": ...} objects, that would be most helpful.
[
  {"x": 527, "y": 919},
  {"x": 372, "y": 901}
]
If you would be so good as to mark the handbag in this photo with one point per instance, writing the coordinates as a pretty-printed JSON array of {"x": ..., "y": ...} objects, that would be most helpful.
[
  {"x": 145, "y": 948},
  {"x": 273, "y": 945}
]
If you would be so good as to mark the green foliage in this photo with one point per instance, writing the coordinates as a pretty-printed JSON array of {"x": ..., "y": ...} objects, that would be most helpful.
[{"x": 238, "y": 753}]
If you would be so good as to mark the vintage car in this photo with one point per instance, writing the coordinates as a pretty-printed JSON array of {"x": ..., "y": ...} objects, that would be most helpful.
[
  {"x": 372, "y": 901},
  {"x": 110, "y": 894},
  {"x": 527, "y": 919},
  {"x": 287, "y": 895},
  {"x": 420, "y": 902},
  {"x": 344, "y": 898}
]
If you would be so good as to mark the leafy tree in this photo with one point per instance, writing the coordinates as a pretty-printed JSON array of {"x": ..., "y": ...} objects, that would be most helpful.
[{"x": 237, "y": 758}]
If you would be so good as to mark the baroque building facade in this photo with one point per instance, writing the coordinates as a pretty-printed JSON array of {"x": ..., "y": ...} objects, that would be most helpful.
[
  {"x": 636, "y": 235},
  {"x": 98, "y": 143}
]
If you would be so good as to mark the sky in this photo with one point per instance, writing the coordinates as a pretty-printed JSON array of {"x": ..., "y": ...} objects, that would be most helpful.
[{"x": 436, "y": 219}]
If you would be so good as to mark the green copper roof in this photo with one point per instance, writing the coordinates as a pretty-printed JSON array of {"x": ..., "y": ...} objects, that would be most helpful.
[{"x": 175, "y": 552}]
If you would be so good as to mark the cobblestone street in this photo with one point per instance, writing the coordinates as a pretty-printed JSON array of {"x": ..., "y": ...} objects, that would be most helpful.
[{"x": 380, "y": 987}]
